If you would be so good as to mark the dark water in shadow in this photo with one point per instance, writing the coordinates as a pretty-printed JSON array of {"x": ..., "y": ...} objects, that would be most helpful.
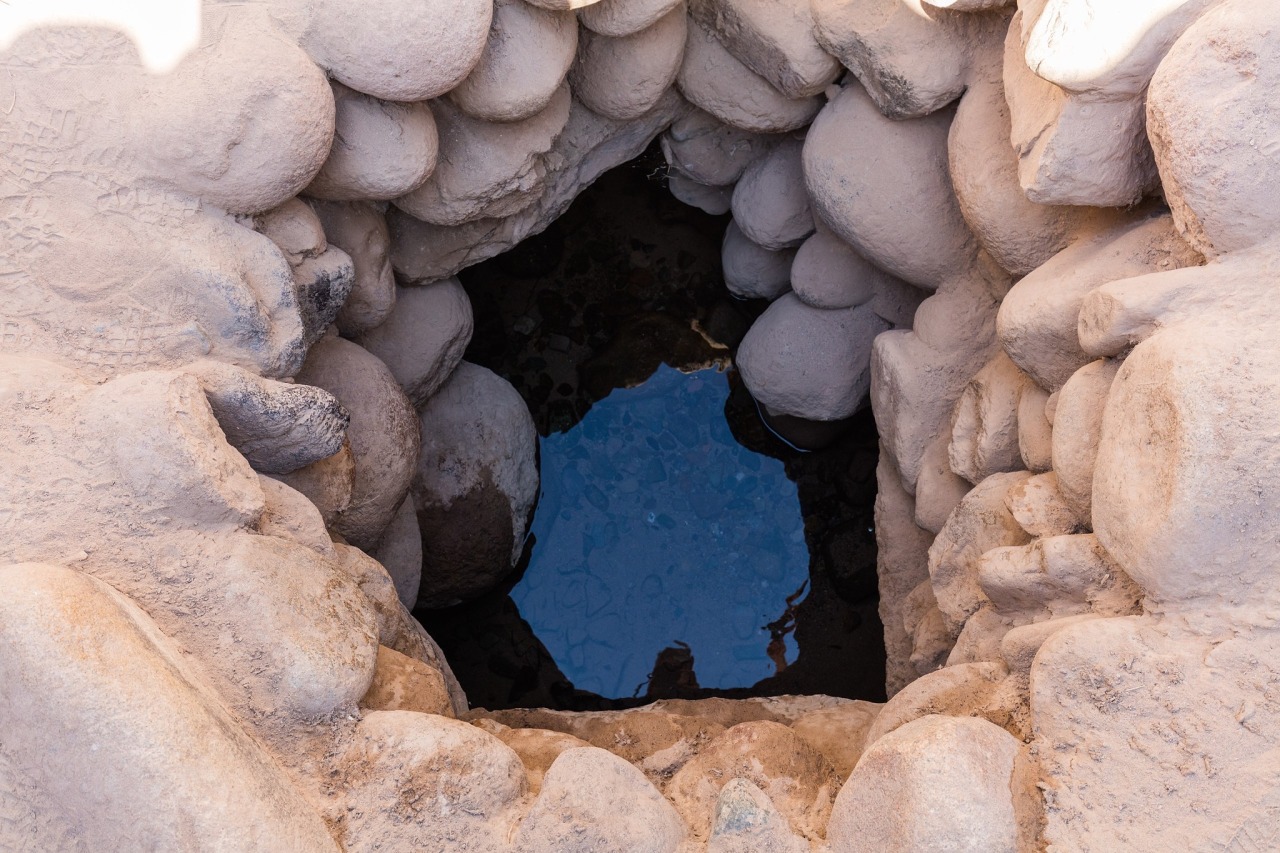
[{"x": 679, "y": 549}]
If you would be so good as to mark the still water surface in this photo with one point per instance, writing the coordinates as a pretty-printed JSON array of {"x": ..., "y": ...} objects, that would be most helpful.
[{"x": 657, "y": 531}]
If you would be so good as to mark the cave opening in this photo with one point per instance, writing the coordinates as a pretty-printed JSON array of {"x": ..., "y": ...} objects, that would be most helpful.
[{"x": 680, "y": 548}]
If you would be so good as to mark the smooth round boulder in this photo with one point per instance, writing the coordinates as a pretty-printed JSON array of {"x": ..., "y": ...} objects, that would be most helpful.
[
  {"x": 1211, "y": 120},
  {"x": 475, "y": 486},
  {"x": 394, "y": 50},
  {"x": 424, "y": 338},
  {"x": 828, "y": 273},
  {"x": 882, "y": 186},
  {"x": 937, "y": 783},
  {"x": 808, "y": 362},
  {"x": 529, "y": 52},
  {"x": 715, "y": 80},
  {"x": 623, "y": 78},
  {"x": 115, "y": 697},
  {"x": 383, "y": 434},
  {"x": 380, "y": 149},
  {"x": 751, "y": 271},
  {"x": 593, "y": 800},
  {"x": 770, "y": 204},
  {"x": 272, "y": 128},
  {"x": 619, "y": 18}
]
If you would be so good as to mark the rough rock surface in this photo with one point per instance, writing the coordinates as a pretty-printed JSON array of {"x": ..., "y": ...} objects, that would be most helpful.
[
  {"x": 713, "y": 79},
  {"x": 798, "y": 780}
]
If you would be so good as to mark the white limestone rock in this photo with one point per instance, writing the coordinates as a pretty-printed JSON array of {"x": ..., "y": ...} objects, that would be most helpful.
[
  {"x": 1055, "y": 577},
  {"x": 902, "y": 565},
  {"x": 593, "y": 800},
  {"x": 1181, "y": 494},
  {"x": 113, "y": 697},
  {"x": 1077, "y": 428},
  {"x": 389, "y": 49},
  {"x": 360, "y": 230},
  {"x": 323, "y": 275},
  {"x": 589, "y": 146},
  {"x": 1039, "y": 316},
  {"x": 981, "y": 522},
  {"x": 1210, "y": 122},
  {"x": 617, "y": 18},
  {"x": 936, "y": 784},
  {"x": 958, "y": 690},
  {"x": 563, "y": 5},
  {"x": 1109, "y": 50},
  {"x": 228, "y": 156},
  {"x": 913, "y": 59},
  {"x": 984, "y": 430},
  {"x": 827, "y": 273},
  {"x": 938, "y": 488},
  {"x": 1035, "y": 433},
  {"x": 1039, "y": 507},
  {"x": 1109, "y": 698},
  {"x": 1074, "y": 149},
  {"x": 1019, "y": 233},
  {"x": 918, "y": 374},
  {"x": 458, "y": 787},
  {"x": 709, "y": 151}
]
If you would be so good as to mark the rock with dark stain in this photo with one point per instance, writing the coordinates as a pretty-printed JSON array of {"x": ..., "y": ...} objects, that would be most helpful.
[{"x": 476, "y": 484}]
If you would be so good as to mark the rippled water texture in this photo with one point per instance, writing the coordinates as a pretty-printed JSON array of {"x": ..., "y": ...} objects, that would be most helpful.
[{"x": 655, "y": 529}]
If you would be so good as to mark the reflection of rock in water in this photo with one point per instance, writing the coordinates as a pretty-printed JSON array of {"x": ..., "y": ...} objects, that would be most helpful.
[
  {"x": 672, "y": 676},
  {"x": 780, "y": 627}
]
